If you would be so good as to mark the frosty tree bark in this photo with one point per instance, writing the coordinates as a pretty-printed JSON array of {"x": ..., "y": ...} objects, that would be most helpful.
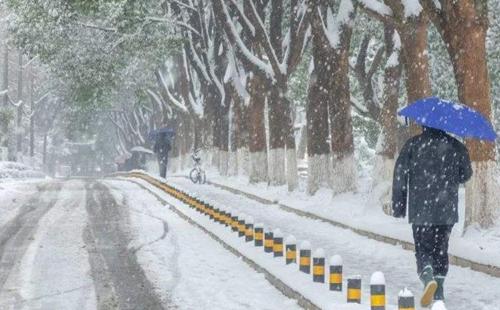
[
  {"x": 5, "y": 74},
  {"x": 463, "y": 26},
  {"x": 19, "y": 137},
  {"x": 318, "y": 149},
  {"x": 388, "y": 138},
  {"x": 332, "y": 67},
  {"x": 256, "y": 129}
]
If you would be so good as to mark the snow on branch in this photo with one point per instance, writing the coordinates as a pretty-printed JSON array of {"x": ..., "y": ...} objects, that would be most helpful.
[
  {"x": 233, "y": 33},
  {"x": 176, "y": 103},
  {"x": 333, "y": 25},
  {"x": 245, "y": 22},
  {"x": 377, "y": 7},
  {"x": 393, "y": 59},
  {"x": 411, "y": 7},
  {"x": 4, "y": 92}
]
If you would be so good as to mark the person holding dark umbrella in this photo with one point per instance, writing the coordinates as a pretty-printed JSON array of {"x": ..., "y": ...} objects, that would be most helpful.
[
  {"x": 161, "y": 148},
  {"x": 427, "y": 174}
]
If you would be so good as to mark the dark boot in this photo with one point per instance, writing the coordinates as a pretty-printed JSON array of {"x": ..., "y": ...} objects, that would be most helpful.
[
  {"x": 439, "y": 294},
  {"x": 430, "y": 286}
]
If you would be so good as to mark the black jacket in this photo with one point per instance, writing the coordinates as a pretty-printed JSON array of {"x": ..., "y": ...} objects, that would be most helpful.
[
  {"x": 162, "y": 147},
  {"x": 427, "y": 174}
]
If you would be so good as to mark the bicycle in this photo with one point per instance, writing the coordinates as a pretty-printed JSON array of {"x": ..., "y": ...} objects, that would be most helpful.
[{"x": 197, "y": 174}]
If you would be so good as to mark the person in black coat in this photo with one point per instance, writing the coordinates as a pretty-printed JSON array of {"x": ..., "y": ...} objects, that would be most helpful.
[
  {"x": 427, "y": 174},
  {"x": 161, "y": 148}
]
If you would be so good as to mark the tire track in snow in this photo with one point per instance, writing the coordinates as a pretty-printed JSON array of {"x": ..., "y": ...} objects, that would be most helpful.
[
  {"x": 16, "y": 234},
  {"x": 120, "y": 282}
]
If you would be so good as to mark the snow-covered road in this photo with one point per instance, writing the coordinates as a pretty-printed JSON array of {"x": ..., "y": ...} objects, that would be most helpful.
[{"x": 85, "y": 244}]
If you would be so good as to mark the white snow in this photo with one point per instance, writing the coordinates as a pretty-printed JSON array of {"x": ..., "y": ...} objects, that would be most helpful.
[
  {"x": 13, "y": 170},
  {"x": 336, "y": 260},
  {"x": 291, "y": 240},
  {"x": 361, "y": 255},
  {"x": 405, "y": 293},
  {"x": 319, "y": 253},
  {"x": 54, "y": 271},
  {"x": 189, "y": 266},
  {"x": 438, "y": 305},
  {"x": 277, "y": 233},
  {"x": 412, "y": 7},
  {"x": 305, "y": 245},
  {"x": 377, "y": 278},
  {"x": 377, "y": 6}
]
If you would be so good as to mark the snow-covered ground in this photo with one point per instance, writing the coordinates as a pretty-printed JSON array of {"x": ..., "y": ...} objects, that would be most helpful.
[
  {"x": 12, "y": 170},
  {"x": 363, "y": 210},
  {"x": 74, "y": 244},
  {"x": 465, "y": 289},
  {"x": 186, "y": 265}
]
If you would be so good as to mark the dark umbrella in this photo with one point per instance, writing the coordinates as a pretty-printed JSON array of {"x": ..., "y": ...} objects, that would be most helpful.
[
  {"x": 449, "y": 116},
  {"x": 169, "y": 133}
]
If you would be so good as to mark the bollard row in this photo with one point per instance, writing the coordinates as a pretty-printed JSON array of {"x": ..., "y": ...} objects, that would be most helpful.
[{"x": 274, "y": 242}]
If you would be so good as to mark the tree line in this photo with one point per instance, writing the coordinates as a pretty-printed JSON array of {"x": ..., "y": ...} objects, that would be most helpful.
[{"x": 222, "y": 73}]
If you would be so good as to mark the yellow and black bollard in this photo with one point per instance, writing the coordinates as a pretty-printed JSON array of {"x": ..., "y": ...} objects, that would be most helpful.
[
  {"x": 377, "y": 291},
  {"x": 249, "y": 229},
  {"x": 225, "y": 217},
  {"x": 291, "y": 250},
  {"x": 234, "y": 223},
  {"x": 241, "y": 225},
  {"x": 268, "y": 242},
  {"x": 210, "y": 211},
  {"x": 305, "y": 257},
  {"x": 336, "y": 273},
  {"x": 216, "y": 215},
  {"x": 354, "y": 290},
  {"x": 319, "y": 266},
  {"x": 278, "y": 243},
  {"x": 406, "y": 300},
  {"x": 259, "y": 234}
]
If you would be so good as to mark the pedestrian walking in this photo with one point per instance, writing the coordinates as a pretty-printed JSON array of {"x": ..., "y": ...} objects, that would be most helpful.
[
  {"x": 161, "y": 148},
  {"x": 427, "y": 175}
]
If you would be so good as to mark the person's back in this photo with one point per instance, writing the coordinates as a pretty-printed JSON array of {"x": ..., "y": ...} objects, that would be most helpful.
[{"x": 433, "y": 164}]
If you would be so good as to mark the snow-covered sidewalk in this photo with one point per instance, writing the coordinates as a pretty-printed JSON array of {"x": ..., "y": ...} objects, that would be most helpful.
[
  {"x": 466, "y": 289},
  {"x": 362, "y": 211}
]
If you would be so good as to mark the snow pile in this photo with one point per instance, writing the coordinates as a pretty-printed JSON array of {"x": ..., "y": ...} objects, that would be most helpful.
[
  {"x": 13, "y": 170},
  {"x": 377, "y": 278}
]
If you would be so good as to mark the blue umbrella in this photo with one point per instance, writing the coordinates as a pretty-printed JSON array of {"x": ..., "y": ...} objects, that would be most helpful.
[
  {"x": 169, "y": 133},
  {"x": 449, "y": 116}
]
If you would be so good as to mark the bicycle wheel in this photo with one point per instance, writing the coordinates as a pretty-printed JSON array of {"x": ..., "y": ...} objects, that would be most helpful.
[{"x": 194, "y": 175}]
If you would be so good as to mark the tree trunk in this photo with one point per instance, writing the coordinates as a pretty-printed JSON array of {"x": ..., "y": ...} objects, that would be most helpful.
[
  {"x": 5, "y": 74},
  {"x": 344, "y": 171},
  {"x": 241, "y": 135},
  {"x": 32, "y": 115},
  {"x": 291, "y": 149},
  {"x": 19, "y": 137},
  {"x": 257, "y": 130},
  {"x": 471, "y": 73},
  {"x": 388, "y": 138},
  {"x": 318, "y": 149},
  {"x": 277, "y": 150},
  {"x": 416, "y": 61},
  {"x": 44, "y": 155}
]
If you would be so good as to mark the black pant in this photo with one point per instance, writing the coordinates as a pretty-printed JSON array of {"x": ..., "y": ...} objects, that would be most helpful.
[
  {"x": 163, "y": 167},
  {"x": 431, "y": 247}
]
